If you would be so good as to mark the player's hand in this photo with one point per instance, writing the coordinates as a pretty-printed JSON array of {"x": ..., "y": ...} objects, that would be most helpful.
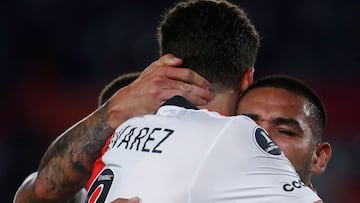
[
  {"x": 160, "y": 81},
  {"x": 132, "y": 200},
  {"x": 163, "y": 79}
]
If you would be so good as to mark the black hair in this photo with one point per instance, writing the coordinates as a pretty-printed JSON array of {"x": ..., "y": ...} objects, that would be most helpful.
[{"x": 215, "y": 38}]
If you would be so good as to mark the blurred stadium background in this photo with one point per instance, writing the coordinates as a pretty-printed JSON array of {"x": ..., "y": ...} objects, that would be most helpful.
[{"x": 56, "y": 56}]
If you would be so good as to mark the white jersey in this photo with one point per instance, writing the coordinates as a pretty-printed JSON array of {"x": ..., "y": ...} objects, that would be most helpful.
[{"x": 185, "y": 155}]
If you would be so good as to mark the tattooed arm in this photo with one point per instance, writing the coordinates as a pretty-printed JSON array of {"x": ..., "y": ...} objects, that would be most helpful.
[{"x": 67, "y": 163}]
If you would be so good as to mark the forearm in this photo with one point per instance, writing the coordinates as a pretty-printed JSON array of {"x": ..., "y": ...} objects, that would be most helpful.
[{"x": 67, "y": 164}]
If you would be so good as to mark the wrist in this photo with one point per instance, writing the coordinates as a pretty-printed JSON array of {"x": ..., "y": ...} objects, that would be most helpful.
[{"x": 118, "y": 108}]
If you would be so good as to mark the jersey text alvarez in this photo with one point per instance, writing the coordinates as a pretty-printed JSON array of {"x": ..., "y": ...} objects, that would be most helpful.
[{"x": 142, "y": 139}]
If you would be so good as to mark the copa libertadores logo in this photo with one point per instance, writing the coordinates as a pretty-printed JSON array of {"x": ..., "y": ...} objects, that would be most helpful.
[{"x": 265, "y": 142}]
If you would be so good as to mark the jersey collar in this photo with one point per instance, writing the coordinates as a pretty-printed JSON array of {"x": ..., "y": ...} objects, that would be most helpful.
[{"x": 179, "y": 101}]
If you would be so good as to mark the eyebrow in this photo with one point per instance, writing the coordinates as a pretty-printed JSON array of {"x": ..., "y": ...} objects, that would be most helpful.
[
  {"x": 286, "y": 121},
  {"x": 277, "y": 121},
  {"x": 251, "y": 115}
]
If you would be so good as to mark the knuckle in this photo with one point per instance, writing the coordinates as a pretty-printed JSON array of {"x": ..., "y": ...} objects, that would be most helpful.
[
  {"x": 187, "y": 87},
  {"x": 176, "y": 92},
  {"x": 157, "y": 80},
  {"x": 190, "y": 73},
  {"x": 161, "y": 70},
  {"x": 155, "y": 94}
]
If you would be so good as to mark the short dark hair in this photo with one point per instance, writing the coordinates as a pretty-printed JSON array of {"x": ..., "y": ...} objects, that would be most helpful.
[
  {"x": 121, "y": 81},
  {"x": 215, "y": 38},
  {"x": 318, "y": 112}
]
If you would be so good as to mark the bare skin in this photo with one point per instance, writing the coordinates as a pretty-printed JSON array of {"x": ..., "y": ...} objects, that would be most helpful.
[
  {"x": 283, "y": 114},
  {"x": 132, "y": 200},
  {"x": 67, "y": 164}
]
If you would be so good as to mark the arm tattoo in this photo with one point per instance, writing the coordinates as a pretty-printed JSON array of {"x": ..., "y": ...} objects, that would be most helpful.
[{"x": 67, "y": 164}]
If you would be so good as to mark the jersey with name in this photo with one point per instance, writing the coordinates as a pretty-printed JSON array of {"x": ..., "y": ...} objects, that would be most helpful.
[{"x": 185, "y": 155}]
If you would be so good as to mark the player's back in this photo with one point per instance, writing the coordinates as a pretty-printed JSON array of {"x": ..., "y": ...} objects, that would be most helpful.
[{"x": 184, "y": 155}]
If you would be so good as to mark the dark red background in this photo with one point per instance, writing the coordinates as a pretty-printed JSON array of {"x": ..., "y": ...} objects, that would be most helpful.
[{"x": 55, "y": 57}]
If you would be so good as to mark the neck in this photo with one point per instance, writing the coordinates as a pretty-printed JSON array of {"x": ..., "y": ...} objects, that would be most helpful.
[
  {"x": 224, "y": 103},
  {"x": 311, "y": 187}
]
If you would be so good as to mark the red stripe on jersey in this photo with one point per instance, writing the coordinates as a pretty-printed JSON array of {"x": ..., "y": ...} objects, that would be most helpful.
[
  {"x": 98, "y": 165},
  {"x": 94, "y": 197}
]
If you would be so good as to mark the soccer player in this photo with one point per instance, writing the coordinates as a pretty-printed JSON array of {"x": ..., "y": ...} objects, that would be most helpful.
[
  {"x": 295, "y": 118},
  {"x": 184, "y": 154},
  {"x": 187, "y": 88},
  {"x": 288, "y": 125}
]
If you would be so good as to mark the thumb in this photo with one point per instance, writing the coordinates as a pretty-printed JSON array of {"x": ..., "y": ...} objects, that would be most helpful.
[
  {"x": 134, "y": 200},
  {"x": 170, "y": 60}
]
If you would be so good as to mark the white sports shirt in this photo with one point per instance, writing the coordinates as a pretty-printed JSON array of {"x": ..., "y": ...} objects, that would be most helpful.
[{"x": 183, "y": 155}]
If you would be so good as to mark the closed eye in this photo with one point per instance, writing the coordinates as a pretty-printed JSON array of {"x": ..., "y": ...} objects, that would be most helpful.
[
  {"x": 287, "y": 132},
  {"x": 288, "y": 127}
]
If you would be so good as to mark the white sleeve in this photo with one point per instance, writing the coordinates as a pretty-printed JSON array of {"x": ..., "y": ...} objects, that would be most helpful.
[{"x": 307, "y": 195}]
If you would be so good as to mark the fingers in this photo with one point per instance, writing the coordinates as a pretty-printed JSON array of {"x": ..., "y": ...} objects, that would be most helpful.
[
  {"x": 186, "y": 75},
  {"x": 168, "y": 60},
  {"x": 132, "y": 200},
  {"x": 166, "y": 81},
  {"x": 167, "y": 64},
  {"x": 195, "y": 94}
]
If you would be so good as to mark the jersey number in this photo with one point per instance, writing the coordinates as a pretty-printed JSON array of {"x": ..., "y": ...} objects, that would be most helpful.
[{"x": 100, "y": 187}]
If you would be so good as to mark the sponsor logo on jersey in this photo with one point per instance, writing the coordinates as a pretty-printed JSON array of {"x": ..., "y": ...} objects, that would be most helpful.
[
  {"x": 296, "y": 184},
  {"x": 265, "y": 143}
]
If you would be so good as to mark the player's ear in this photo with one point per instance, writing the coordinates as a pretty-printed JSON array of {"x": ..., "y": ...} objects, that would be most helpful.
[
  {"x": 321, "y": 157},
  {"x": 247, "y": 79}
]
